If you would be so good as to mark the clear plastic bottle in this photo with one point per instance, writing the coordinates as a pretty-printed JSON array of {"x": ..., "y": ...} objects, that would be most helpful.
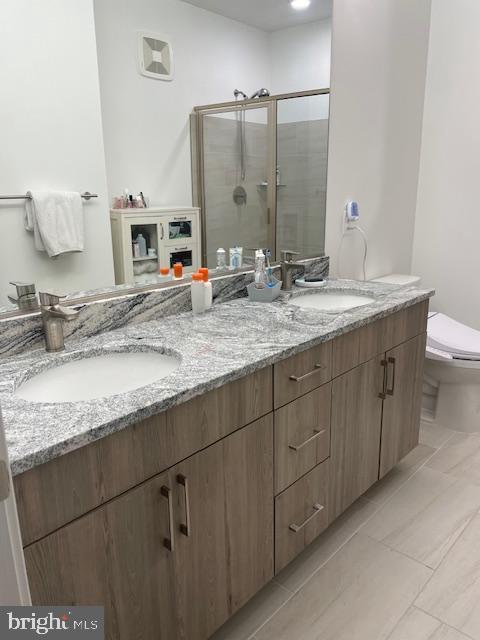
[{"x": 261, "y": 278}]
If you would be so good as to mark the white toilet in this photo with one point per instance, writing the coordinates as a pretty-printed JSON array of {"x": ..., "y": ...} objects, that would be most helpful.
[{"x": 451, "y": 390}]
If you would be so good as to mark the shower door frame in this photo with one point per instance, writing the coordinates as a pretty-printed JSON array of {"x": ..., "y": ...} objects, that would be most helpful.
[{"x": 198, "y": 166}]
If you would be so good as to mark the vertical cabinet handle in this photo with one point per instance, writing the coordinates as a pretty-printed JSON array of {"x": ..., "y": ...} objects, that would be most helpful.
[
  {"x": 390, "y": 391},
  {"x": 298, "y": 527},
  {"x": 163, "y": 231},
  {"x": 383, "y": 392},
  {"x": 169, "y": 543},
  {"x": 186, "y": 528}
]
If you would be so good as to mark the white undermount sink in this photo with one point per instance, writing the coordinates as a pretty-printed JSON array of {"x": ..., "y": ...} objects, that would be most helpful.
[
  {"x": 97, "y": 376},
  {"x": 332, "y": 301}
]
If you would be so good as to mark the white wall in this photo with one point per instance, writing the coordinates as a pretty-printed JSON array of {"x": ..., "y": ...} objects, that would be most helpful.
[
  {"x": 146, "y": 121},
  {"x": 379, "y": 54},
  {"x": 51, "y": 137},
  {"x": 446, "y": 248},
  {"x": 300, "y": 57}
]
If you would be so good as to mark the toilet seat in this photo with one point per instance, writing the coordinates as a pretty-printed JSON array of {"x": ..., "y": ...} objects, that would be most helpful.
[{"x": 457, "y": 339}]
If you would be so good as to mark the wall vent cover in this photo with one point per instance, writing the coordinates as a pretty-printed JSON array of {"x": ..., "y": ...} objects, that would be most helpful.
[{"x": 155, "y": 56}]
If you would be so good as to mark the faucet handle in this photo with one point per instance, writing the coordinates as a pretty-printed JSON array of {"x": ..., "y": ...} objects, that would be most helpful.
[
  {"x": 24, "y": 288},
  {"x": 287, "y": 255},
  {"x": 48, "y": 299}
]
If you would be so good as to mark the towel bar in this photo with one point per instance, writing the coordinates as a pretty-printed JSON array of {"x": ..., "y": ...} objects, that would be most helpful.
[{"x": 86, "y": 196}]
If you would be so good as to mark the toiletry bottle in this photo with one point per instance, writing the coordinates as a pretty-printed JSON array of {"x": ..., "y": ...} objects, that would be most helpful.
[
  {"x": 260, "y": 278},
  {"x": 164, "y": 274},
  {"x": 135, "y": 249},
  {"x": 197, "y": 291},
  {"x": 178, "y": 270},
  {"x": 142, "y": 243},
  {"x": 221, "y": 258},
  {"x": 236, "y": 257},
  {"x": 207, "y": 287}
]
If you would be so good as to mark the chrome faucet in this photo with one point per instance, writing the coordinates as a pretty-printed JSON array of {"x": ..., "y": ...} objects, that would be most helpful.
[
  {"x": 26, "y": 299},
  {"x": 290, "y": 270},
  {"x": 53, "y": 317}
]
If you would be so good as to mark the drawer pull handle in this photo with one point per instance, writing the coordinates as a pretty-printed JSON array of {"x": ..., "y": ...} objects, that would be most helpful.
[
  {"x": 316, "y": 434},
  {"x": 186, "y": 528},
  {"x": 318, "y": 367},
  {"x": 298, "y": 527},
  {"x": 383, "y": 393},
  {"x": 169, "y": 543},
  {"x": 391, "y": 391}
]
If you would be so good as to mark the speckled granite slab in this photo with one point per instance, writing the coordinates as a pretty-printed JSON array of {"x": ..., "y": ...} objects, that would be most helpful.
[
  {"x": 18, "y": 335},
  {"x": 229, "y": 341}
]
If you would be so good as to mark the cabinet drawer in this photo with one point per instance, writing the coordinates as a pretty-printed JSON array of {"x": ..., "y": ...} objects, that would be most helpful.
[
  {"x": 302, "y": 373},
  {"x": 302, "y": 436},
  {"x": 301, "y": 514},
  {"x": 106, "y": 468}
]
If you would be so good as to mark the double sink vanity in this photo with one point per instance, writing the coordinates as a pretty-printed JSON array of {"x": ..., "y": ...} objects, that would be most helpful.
[{"x": 180, "y": 464}]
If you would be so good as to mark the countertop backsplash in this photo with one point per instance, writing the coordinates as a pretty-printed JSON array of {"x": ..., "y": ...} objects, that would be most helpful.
[{"x": 23, "y": 334}]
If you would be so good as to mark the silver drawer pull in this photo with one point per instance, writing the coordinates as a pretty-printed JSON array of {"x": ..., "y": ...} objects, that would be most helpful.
[
  {"x": 318, "y": 367},
  {"x": 185, "y": 528},
  {"x": 169, "y": 543},
  {"x": 316, "y": 434},
  {"x": 316, "y": 510}
]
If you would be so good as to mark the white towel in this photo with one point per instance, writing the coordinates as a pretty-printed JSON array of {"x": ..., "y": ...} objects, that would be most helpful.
[{"x": 56, "y": 219}]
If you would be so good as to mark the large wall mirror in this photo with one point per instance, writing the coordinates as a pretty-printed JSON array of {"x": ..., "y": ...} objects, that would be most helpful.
[{"x": 212, "y": 114}]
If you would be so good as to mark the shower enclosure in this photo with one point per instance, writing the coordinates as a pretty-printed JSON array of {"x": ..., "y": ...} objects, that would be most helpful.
[{"x": 259, "y": 170}]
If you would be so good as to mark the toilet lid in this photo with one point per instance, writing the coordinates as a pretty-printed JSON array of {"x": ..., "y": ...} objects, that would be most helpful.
[{"x": 455, "y": 338}]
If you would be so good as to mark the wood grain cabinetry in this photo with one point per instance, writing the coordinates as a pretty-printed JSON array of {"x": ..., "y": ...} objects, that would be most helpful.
[
  {"x": 403, "y": 401},
  {"x": 174, "y": 523},
  {"x": 301, "y": 373},
  {"x": 356, "y": 430},
  {"x": 175, "y": 557},
  {"x": 301, "y": 514},
  {"x": 302, "y": 436}
]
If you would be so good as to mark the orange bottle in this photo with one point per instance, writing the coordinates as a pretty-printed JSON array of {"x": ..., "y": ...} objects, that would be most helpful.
[{"x": 178, "y": 270}]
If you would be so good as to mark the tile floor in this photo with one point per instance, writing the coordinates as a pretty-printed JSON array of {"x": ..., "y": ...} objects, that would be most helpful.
[{"x": 403, "y": 563}]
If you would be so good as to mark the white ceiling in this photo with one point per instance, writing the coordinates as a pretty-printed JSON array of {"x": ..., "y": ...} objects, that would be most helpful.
[{"x": 269, "y": 15}]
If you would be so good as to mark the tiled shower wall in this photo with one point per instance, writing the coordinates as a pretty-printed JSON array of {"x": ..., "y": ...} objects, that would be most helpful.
[
  {"x": 229, "y": 224},
  {"x": 301, "y": 198},
  {"x": 302, "y": 161}
]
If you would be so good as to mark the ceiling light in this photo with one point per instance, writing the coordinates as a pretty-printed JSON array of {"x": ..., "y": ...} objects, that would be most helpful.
[{"x": 300, "y": 4}]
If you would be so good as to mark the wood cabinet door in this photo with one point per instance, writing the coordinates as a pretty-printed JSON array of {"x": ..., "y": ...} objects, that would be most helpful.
[
  {"x": 402, "y": 405},
  {"x": 355, "y": 433},
  {"x": 224, "y": 507},
  {"x": 115, "y": 556}
]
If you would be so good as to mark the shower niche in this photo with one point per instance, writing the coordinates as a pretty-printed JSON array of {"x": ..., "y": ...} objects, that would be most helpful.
[{"x": 260, "y": 173}]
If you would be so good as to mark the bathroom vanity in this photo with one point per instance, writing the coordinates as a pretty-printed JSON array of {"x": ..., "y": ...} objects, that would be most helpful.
[{"x": 175, "y": 520}]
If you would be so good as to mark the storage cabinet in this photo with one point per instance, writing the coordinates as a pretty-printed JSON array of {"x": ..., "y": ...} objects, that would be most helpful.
[
  {"x": 403, "y": 401},
  {"x": 174, "y": 523},
  {"x": 114, "y": 556},
  {"x": 176, "y": 556},
  {"x": 172, "y": 233}
]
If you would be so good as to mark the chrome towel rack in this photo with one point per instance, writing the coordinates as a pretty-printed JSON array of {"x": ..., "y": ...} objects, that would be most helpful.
[{"x": 86, "y": 196}]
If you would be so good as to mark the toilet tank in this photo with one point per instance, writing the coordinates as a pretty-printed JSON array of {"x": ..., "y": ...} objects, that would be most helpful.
[{"x": 399, "y": 279}]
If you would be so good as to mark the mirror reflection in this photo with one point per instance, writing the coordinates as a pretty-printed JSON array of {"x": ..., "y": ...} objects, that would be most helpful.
[{"x": 189, "y": 143}]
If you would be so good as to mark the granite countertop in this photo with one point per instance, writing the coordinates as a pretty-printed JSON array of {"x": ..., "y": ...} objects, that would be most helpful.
[{"x": 227, "y": 342}]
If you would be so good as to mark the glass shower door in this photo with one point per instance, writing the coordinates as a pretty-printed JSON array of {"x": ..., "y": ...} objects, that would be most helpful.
[
  {"x": 237, "y": 169},
  {"x": 302, "y": 146}
]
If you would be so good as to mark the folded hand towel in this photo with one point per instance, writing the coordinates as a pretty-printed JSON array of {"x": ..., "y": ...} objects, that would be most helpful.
[{"x": 56, "y": 219}]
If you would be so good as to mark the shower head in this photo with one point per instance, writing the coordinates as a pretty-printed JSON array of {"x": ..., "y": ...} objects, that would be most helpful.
[
  {"x": 237, "y": 93},
  {"x": 261, "y": 93}
]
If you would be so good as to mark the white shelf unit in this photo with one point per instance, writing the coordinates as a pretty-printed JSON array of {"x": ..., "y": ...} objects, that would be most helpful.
[{"x": 173, "y": 232}]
